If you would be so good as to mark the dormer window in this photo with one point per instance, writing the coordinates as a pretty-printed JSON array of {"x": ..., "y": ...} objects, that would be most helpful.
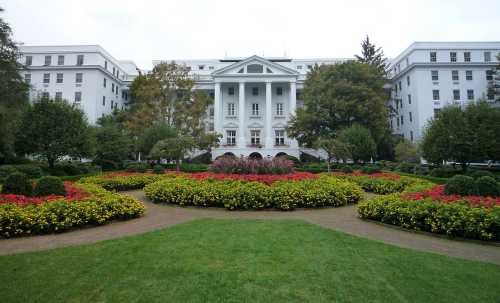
[{"x": 255, "y": 69}]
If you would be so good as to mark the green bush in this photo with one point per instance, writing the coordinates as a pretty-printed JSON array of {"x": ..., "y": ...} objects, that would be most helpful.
[
  {"x": 452, "y": 219},
  {"x": 50, "y": 186},
  {"x": 205, "y": 158},
  {"x": 444, "y": 172},
  {"x": 6, "y": 170},
  {"x": 283, "y": 195},
  {"x": 17, "y": 183},
  {"x": 121, "y": 183},
  {"x": 347, "y": 169},
  {"x": 194, "y": 168},
  {"x": 137, "y": 167},
  {"x": 158, "y": 169},
  {"x": 405, "y": 167},
  {"x": 368, "y": 169},
  {"x": 420, "y": 170},
  {"x": 31, "y": 170},
  {"x": 460, "y": 185},
  {"x": 382, "y": 185},
  {"x": 487, "y": 186},
  {"x": 480, "y": 173}
]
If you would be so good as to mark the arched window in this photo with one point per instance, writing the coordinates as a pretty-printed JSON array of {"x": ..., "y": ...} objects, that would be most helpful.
[{"x": 255, "y": 69}]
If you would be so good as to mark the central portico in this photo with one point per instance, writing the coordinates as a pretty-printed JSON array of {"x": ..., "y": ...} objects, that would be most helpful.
[{"x": 253, "y": 102}]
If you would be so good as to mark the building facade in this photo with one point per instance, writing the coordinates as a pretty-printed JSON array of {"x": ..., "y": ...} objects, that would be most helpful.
[
  {"x": 85, "y": 75},
  {"x": 428, "y": 76}
]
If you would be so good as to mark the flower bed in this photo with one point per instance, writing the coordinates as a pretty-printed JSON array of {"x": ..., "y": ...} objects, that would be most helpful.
[
  {"x": 236, "y": 194},
  {"x": 125, "y": 181},
  {"x": 86, "y": 204},
  {"x": 266, "y": 179},
  {"x": 73, "y": 193},
  {"x": 380, "y": 183}
]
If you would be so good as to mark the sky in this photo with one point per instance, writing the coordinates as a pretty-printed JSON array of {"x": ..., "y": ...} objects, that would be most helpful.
[{"x": 194, "y": 29}]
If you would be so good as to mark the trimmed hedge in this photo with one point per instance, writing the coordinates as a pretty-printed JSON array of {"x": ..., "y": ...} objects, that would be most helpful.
[
  {"x": 460, "y": 185},
  {"x": 452, "y": 219},
  {"x": 121, "y": 183},
  {"x": 382, "y": 185},
  {"x": 18, "y": 184},
  {"x": 283, "y": 195},
  {"x": 57, "y": 216},
  {"x": 50, "y": 186}
]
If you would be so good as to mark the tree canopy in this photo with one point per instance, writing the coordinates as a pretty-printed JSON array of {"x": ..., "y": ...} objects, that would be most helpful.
[
  {"x": 359, "y": 143},
  {"x": 372, "y": 55}
]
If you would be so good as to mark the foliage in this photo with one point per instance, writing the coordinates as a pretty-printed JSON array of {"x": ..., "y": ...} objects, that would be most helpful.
[
  {"x": 18, "y": 184},
  {"x": 31, "y": 170},
  {"x": 72, "y": 193},
  {"x": 452, "y": 219},
  {"x": 266, "y": 179},
  {"x": 50, "y": 186},
  {"x": 359, "y": 142},
  {"x": 283, "y": 195},
  {"x": 13, "y": 92},
  {"x": 487, "y": 186},
  {"x": 153, "y": 134},
  {"x": 54, "y": 129},
  {"x": 137, "y": 167},
  {"x": 460, "y": 185},
  {"x": 113, "y": 143},
  {"x": 334, "y": 148},
  {"x": 372, "y": 55},
  {"x": 61, "y": 215},
  {"x": 233, "y": 165},
  {"x": 124, "y": 181},
  {"x": 173, "y": 148},
  {"x": 406, "y": 152},
  {"x": 158, "y": 169},
  {"x": 381, "y": 183},
  {"x": 346, "y": 169},
  {"x": 338, "y": 96}
]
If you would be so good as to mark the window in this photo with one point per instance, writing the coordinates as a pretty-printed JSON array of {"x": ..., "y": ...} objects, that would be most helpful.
[
  {"x": 113, "y": 87},
  {"x": 409, "y": 99},
  {"x": 201, "y": 67},
  {"x": 299, "y": 66},
  {"x": 58, "y": 95},
  {"x": 59, "y": 78},
  {"x": 411, "y": 135},
  {"x": 105, "y": 64},
  {"x": 467, "y": 57},
  {"x": 231, "y": 110},
  {"x": 401, "y": 103},
  {"x": 211, "y": 112},
  {"x": 468, "y": 75},
  {"x": 401, "y": 119},
  {"x": 231, "y": 137},
  {"x": 470, "y": 94},
  {"x": 456, "y": 94},
  {"x": 79, "y": 60},
  {"x": 279, "y": 91},
  {"x": 435, "y": 94},
  {"x": 112, "y": 104},
  {"x": 211, "y": 94},
  {"x": 255, "y": 109},
  {"x": 79, "y": 78},
  {"x": 255, "y": 137},
  {"x": 397, "y": 122},
  {"x": 46, "y": 78},
  {"x": 104, "y": 82},
  {"x": 436, "y": 111},
  {"x": 410, "y": 116},
  {"x": 491, "y": 95},
  {"x": 454, "y": 75},
  {"x": 230, "y": 91},
  {"x": 309, "y": 66},
  {"x": 27, "y": 78},
  {"x": 116, "y": 90},
  {"x": 408, "y": 80},
  {"x": 78, "y": 97},
  {"x": 279, "y": 137},
  {"x": 279, "y": 109},
  {"x": 103, "y": 100},
  {"x": 433, "y": 57},
  {"x": 211, "y": 127},
  {"x": 29, "y": 60},
  {"x": 489, "y": 75},
  {"x": 435, "y": 75},
  {"x": 255, "y": 91},
  {"x": 117, "y": 73},
  {"x": 45, "y": 95},
  {"x": 60, "y": 60},
  {"x": 210, "y": 67},
  {"x": 114, "y": 71},
  {"x": 487, "y": 56},
  {"x": 453, "y": 57},
  {"x": 400, "y": 86},
  {"x": 255, "y": 69},
  {"x": 48, "y": 60}
]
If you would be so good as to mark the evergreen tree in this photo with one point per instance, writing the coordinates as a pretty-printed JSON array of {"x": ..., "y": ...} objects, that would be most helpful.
[{"x": 373, "y": 55}]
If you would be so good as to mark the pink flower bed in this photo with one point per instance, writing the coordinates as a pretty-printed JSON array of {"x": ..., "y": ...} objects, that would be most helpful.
[
  {"x": 436, "y": 193},
  {"x": 267, "y": 179},
  {"x": 72, "y": 194},
  {"x": 384, "y": 175},
  {"x": 124, "y": 174}
]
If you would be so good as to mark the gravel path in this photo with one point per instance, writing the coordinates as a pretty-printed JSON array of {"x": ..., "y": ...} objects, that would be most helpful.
[{"x": 344, "y": 219}]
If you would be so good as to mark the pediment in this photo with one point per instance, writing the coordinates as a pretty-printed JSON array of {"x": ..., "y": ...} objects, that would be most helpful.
[
  {"x": 279, "y": 125},
  {"x": 255, "y": 65},
  {"x": 231, "y": 125},
  {"x": 255, "y": 125}
]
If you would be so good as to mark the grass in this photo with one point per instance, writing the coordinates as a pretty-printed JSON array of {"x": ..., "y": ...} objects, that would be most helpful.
[{"x": 244, "y": 261}]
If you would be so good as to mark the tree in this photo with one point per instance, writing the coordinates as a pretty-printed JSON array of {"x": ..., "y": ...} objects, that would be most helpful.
[
  {"x": 338, "y": 96},
  {"x": 359, "y": 141},
  {"x": 53, "y": 129},
  {"x": 334, "y": 148},
  {"x": 173, "y": 148},
  {"x": 13, "y": 91},
  {"x": 373, "y": 55},
  {"x": 153, "y": 134},
  {"x": 113, "y": 144},
  {"x": 406, "y": 152}
]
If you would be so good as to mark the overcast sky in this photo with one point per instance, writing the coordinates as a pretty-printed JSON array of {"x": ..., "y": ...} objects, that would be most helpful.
[{"x": 187, "y": 29}]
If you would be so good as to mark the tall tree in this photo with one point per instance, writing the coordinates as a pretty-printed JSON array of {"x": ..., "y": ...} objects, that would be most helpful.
[
  {"x": 373, "y": 55},
  {"x": 334, "y": 148},
  {"x": 338, "y": 96},
  {"x": 359, "y": 141},
  {"x": 173, "y": 148},
  {"x": 406, "y": 152},
  {"x": 53, "y": 129},
  {"x": 13, "y": 91}
]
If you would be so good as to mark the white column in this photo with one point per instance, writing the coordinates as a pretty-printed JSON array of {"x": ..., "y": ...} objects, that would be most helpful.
[
  {"x": 217, "y": 109},
  {"x": 293, "y": 107},
  {"x": 269, "y": 111},
  {"x": 241, "y": 115}
]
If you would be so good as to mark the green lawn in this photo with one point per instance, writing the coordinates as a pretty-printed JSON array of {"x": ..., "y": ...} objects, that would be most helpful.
[{"x": 244, "y": 261}]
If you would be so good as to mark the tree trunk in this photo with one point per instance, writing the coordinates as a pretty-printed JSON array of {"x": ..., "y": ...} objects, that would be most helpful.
[{"x": 177, "y": 165}]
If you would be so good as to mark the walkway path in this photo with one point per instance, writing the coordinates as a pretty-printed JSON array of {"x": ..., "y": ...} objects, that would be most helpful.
[{"x": 343, "y": 219}]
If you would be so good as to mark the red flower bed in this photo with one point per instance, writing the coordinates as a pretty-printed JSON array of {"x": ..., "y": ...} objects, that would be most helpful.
[
  {"x": 72, "y": 194},
  {"x": 383, "y": 175},
  {"x": 124, "y": 174},
  {"x": 267, "y": 179},
  {"x": 436, "y": 193}
]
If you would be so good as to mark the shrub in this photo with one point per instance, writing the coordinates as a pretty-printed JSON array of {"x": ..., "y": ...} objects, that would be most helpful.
[
  {"x": 420, "y": 170},
  {"x": 18, "y": 184},
  {"x": 31, "y": 170},
  {"x": 137, "y": 167},
  {"x": 384, "y": 183},
  {"x": 405, "y": 168},
  {"x": 443, "y": 172},
  {"x": 313, "y": 167},
  {"x": 368, "y": 169},
  {"x": 6, "y": 170},
  {"x": 460, "y": 185},
  {"x": 487, "y": 186},
  {"x": 234, "y": 165},
  {"x": 205, "y": 158},
  {"x": 193, "y": 168},
  {"x": 452, "y": 219},
  {"x": 346, "y": 169},
  {"x": 158, "y": 169},
  {"x": 480, "y": 173},
  {"x": 120, "y": 182},
  {"x": 50, "y": 186}
]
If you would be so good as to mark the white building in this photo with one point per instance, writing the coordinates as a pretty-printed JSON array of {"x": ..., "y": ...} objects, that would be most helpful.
[
  {"x": 84, "y": 74},
  {"x": 430, "y": 75}
]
